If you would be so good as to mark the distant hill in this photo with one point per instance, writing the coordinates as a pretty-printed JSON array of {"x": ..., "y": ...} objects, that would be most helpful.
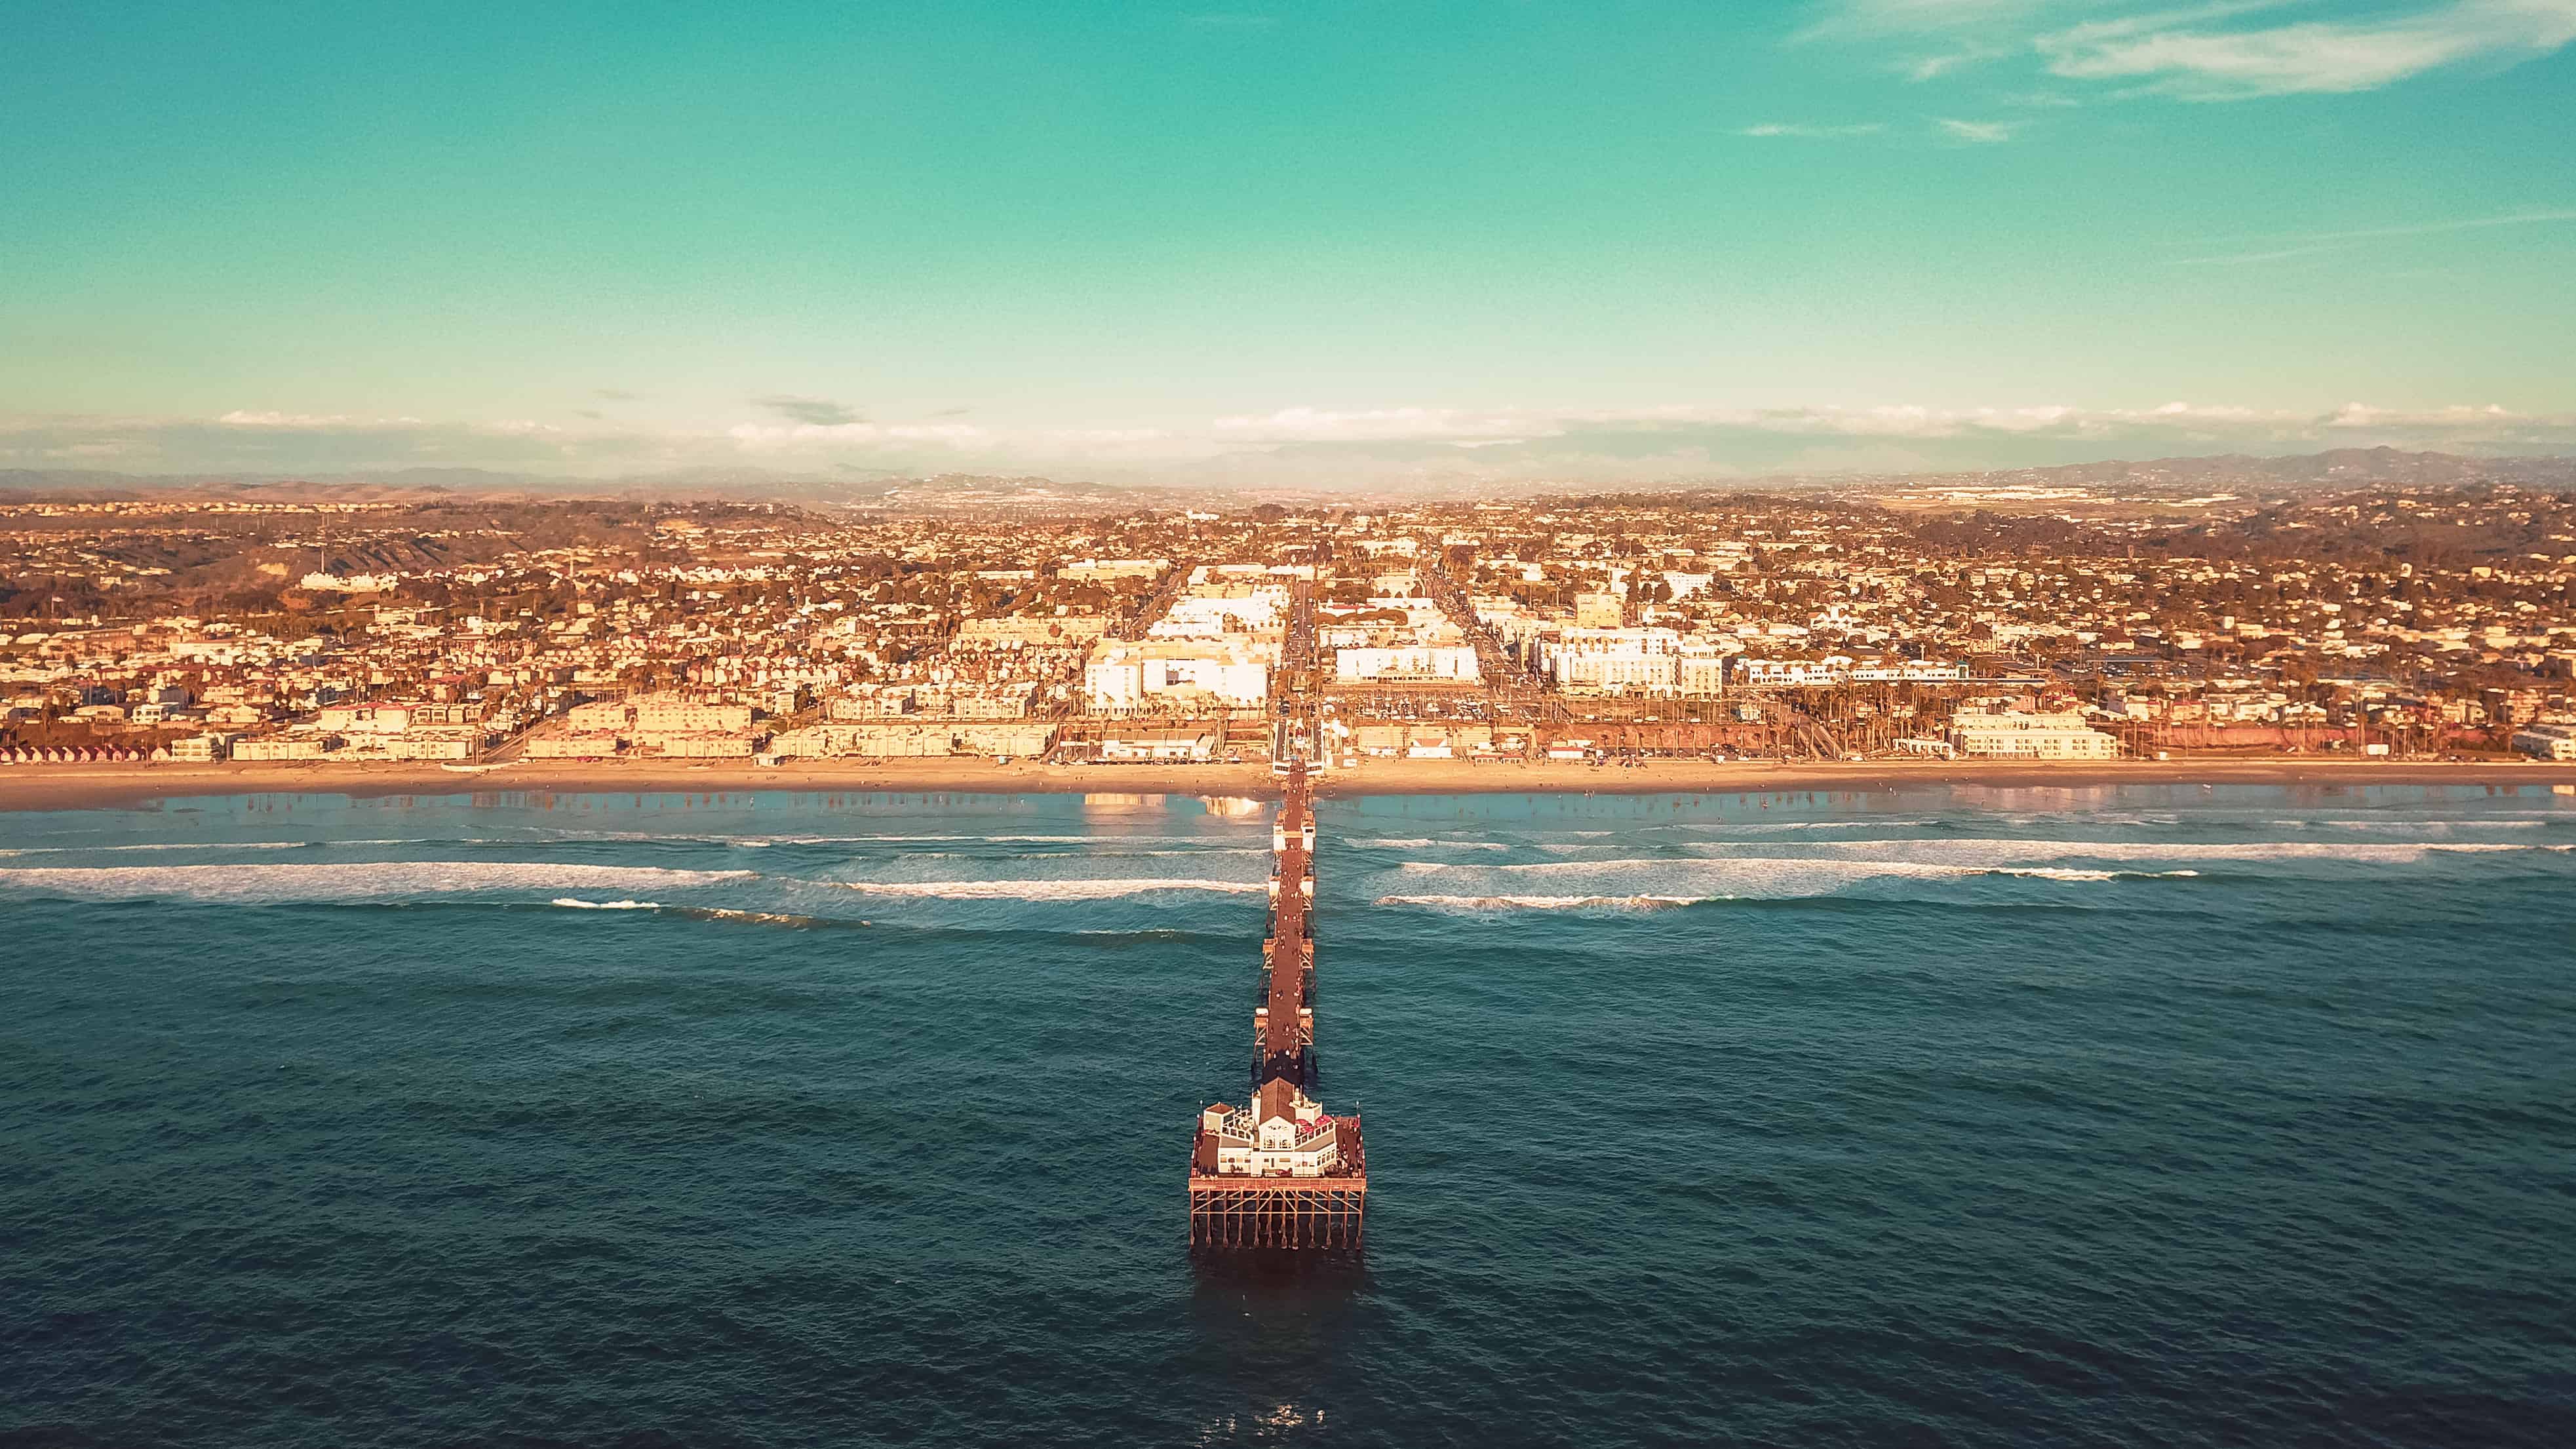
[
  {"x": 963, "y": 492},
  {"x": 944, "y": 493},
  {"x": 2337, "y": 467}
]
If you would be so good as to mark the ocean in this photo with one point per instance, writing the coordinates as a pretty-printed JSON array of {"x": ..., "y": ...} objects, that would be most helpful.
[{"x": 2131, "y": 1115}]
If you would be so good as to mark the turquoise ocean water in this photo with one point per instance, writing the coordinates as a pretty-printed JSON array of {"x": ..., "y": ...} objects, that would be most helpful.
[{"x": 2155, "y": 1115}]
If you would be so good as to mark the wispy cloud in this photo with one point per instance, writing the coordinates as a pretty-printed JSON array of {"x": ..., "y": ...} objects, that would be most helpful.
[
  {"x": 2195, "y": 62},
  {"x": 2308, "y": 244},
  {"x": 2242, "y": 259},
  {"x": 1801, "y": 131},
  {"x": 1933, "y": 67},
  {"x": 1984, "y": 133},
  {"x": 2435, "y": 228},
  {"x": 2225, "y": 51},
  {"x": 818, "y": 411}
]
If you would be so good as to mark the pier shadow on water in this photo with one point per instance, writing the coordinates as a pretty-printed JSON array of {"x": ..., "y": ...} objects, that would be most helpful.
[
  {"x": 1279, "y": 1302},
  {"x": 1269, "y": 1322}
]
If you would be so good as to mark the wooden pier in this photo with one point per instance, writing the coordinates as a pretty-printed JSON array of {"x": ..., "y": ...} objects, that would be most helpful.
[{"x": 1280, "y": 1172}]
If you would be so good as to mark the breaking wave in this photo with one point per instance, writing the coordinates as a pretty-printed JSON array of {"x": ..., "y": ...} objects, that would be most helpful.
[
  {"x": 766, "y": 841},
  {"x": 1777, "y": 827},
  {"x": 386, "y": 881},
  {"x": 2018, "y": 851},
  {"x": 1047, "y": 890},
  {"x": 1733, "y": 878},
  {"x": 763, "y": 918},
  {"x": 2429, "y": 824},
  {"x": 706, "y": 913},
  {"x": 191, "y": 845},
  {"x": 1547, "y": 903}
]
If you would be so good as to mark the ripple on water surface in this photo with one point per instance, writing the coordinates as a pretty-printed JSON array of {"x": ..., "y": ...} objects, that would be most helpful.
[{"x": 2126, "y": 1116}]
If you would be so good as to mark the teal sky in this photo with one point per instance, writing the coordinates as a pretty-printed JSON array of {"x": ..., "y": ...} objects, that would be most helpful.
[{"x": 1281, "y": 240}]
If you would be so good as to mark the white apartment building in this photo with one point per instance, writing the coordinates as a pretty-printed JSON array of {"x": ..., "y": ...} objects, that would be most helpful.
[
  {"x": 667, "y": 714},
  {"x": 2546, "y": 741},
  {"x": 364, "y": 719},
  {"x": 1612, "y": 661},
  {"x": 2016, "y": 736},
  {"x": 201, "y": 749},
  {"x": 1232, "y": 671},
  {"x": 1701, "y": 670}
]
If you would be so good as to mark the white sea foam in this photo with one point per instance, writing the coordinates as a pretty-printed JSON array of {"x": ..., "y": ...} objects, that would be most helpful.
[
  {"x": 1083, "y": 855},
  {"x": 1079, "y": 889},
  {"x": 385, "y": 881},
  {"x": 2000, "y": 852},
  {"x": 1741, "y": 877},
  {"x": 2393, "y": 826},
  {"x": 765, "y": 918},
  {"x": 1420, "y": 842},
  {"x": 1753, "y": 890},
  {"x": 1546, "y": 903},
  {"x": 763, "y": 842},
  {"x": 172, "y": 845},
  {"x": 699, "y": 913},
  {"x": 1773, "y": 827}
]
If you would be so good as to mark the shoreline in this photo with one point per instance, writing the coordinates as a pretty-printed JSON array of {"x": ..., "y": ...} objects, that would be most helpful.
[{"x": 76, "y": 787}]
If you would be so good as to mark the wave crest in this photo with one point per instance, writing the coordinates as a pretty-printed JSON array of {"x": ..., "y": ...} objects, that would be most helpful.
[
  {"x": 384, "y": 881},
  {"x": 1547, "y": 903},
  {"x": 1079, "y": 889}
]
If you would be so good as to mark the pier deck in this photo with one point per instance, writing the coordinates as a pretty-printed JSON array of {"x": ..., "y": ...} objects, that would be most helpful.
[{"x": 1280, "y": 1172}]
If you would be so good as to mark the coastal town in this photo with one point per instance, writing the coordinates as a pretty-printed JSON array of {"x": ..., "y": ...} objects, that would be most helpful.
[{"x": 2430, "y": 623}]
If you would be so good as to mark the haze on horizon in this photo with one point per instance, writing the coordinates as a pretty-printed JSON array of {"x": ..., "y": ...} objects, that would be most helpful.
[{"x": 1334, "y": 240}]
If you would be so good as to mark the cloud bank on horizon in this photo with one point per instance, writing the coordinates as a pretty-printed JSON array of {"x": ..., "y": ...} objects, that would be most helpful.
[{"x": 1296, "y": 446}]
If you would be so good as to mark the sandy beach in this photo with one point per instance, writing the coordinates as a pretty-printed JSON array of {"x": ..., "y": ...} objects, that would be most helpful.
[{"x": 68, "y": 787}]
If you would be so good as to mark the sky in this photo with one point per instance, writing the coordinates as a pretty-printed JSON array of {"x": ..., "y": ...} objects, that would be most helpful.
[{"x": 1303, "y": 243}]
